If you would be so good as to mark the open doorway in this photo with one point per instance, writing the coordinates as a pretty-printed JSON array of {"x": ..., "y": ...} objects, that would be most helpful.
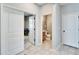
[
  {"x": 47, "y": 31},
  {"x": 29, "y": 30}
]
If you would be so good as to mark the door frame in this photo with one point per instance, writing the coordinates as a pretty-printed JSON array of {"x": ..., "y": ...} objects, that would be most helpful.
[
  {"x": 76, "y": 14},
  {"x": 42, "y": 17},
  {"x": 34, "y": 28}
]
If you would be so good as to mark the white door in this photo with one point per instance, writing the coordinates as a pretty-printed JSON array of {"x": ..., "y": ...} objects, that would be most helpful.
[
  {"x": 70, "y": 30},
  {"x": 15, "y": 33},
  {"x": 32, "y": 29},
  {"x": 14, "y": 24}
]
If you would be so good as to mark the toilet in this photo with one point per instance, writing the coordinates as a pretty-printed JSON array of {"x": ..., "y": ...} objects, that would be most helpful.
[{"x": 48, "y": 37}]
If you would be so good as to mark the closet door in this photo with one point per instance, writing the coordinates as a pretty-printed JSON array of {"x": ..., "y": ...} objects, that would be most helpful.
[
  {"x": 15, "y": 33},
  {"x": 14, "y": 41},
  {"x": 70, "y": 30},
  {"x": 4, "y": 35}
]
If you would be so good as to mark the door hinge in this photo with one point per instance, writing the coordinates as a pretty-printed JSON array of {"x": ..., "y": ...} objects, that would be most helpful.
[
  {"x": 34, "y": 18},
  {"x": 34, "y": 41},
  {"x": 78, "y": 17}
]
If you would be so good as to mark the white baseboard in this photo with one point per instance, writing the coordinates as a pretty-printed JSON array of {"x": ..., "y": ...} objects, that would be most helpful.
[{"x": 12, "y": 52}]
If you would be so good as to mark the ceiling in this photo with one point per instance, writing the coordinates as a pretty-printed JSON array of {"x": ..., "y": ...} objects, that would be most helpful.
[{"x": 40, "y": 4}]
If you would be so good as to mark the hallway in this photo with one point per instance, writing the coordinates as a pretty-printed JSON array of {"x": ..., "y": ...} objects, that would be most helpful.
[
  {"x": 64, "y": 27},
  {"x": 46, "y": 49}
]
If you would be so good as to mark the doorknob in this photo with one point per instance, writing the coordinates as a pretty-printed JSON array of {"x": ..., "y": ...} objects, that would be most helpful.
[{"x": 63, "y": 30}]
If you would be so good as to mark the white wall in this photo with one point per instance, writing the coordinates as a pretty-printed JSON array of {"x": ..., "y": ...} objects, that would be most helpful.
[
  {"x": 56, "y": 26},
  {"x": 0, "y": 29},
  {"x": 27, "y": 7},
  {"x": 70, "y": 8},
  {"x": 45, "y": 10},
  {"x": 32, "y": 9}
]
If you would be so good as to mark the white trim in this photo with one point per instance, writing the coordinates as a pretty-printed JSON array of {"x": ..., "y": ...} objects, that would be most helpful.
[{"x": 42, "y": 25}]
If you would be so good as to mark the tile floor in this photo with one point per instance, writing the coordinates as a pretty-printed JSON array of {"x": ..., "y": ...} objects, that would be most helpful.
[{"x": 46, "y": 49}]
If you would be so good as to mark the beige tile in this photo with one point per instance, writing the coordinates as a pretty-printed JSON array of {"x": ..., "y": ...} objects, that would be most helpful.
[{"x": 46, "y": 49}]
